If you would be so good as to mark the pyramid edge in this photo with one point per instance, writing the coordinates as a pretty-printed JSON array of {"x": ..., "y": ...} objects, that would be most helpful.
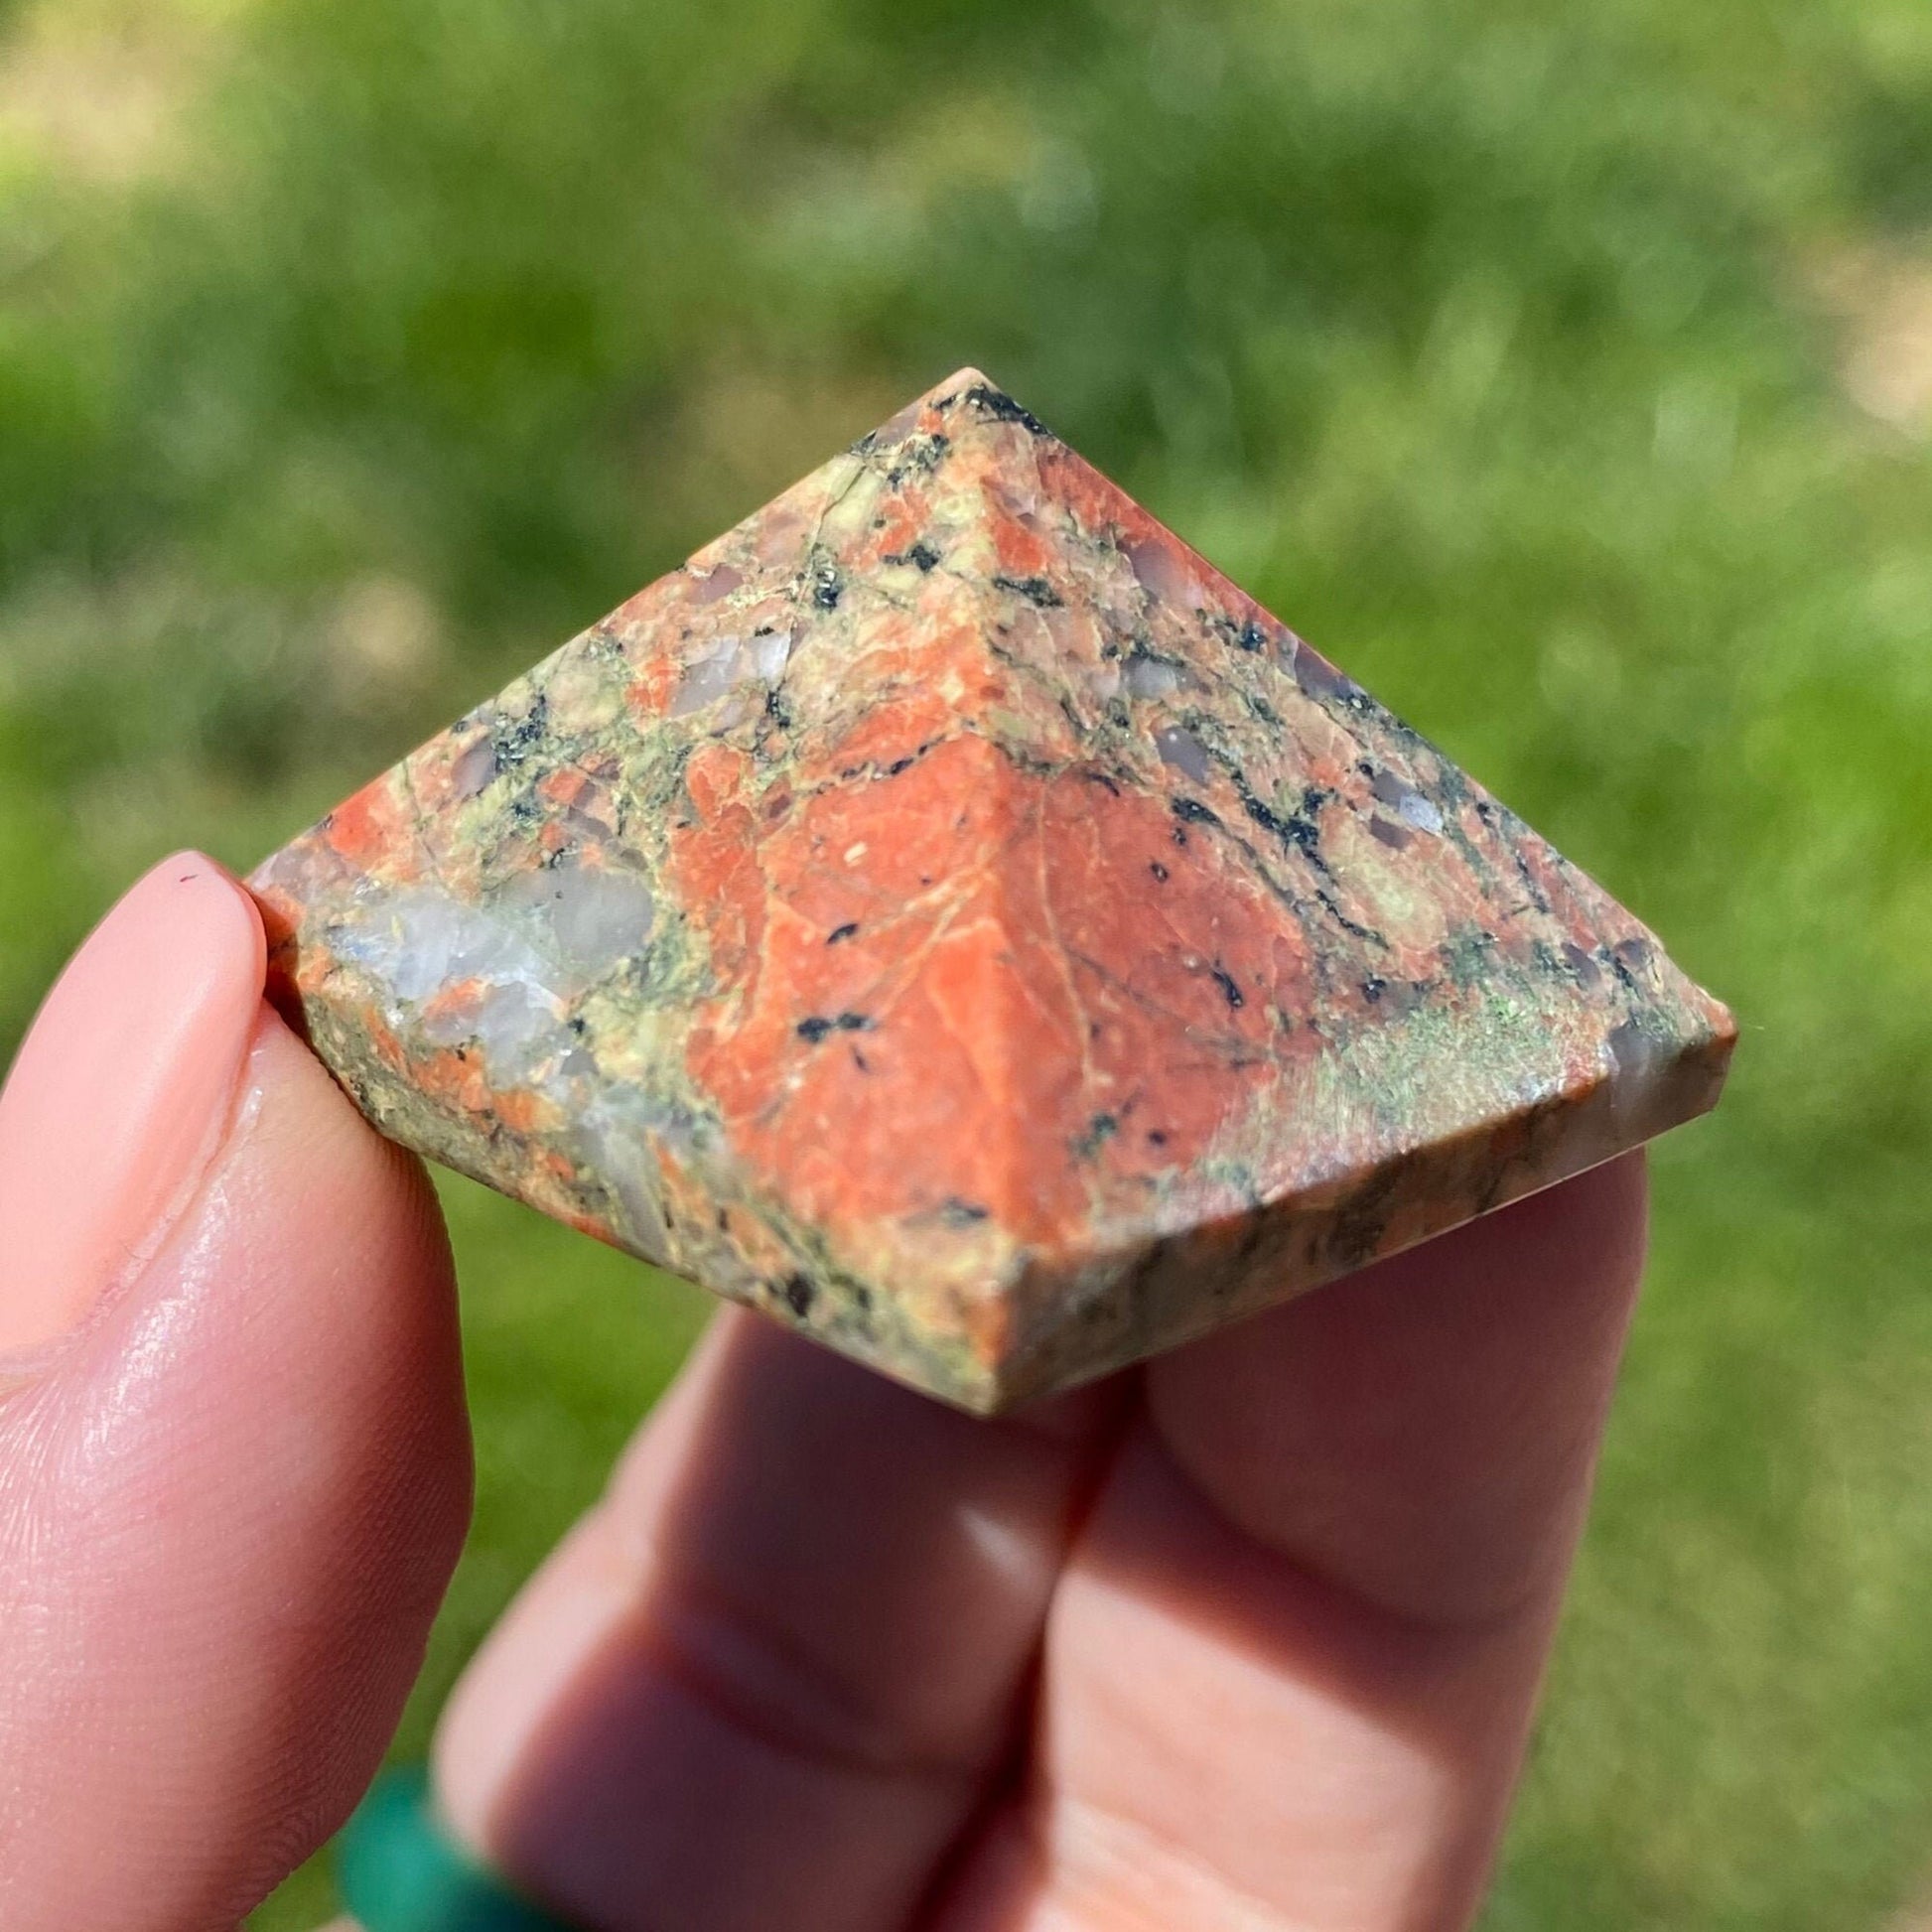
[{"x": 1267, "y": 1259}]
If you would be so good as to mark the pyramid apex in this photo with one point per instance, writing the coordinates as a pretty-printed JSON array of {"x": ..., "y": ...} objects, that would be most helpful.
[
  {"x": 974, "y": 386},
  {"x": 968, "y": 377}
]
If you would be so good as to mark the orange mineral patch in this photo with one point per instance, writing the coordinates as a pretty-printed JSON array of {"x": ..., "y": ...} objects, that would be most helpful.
[{"x": 374, "y": 825}]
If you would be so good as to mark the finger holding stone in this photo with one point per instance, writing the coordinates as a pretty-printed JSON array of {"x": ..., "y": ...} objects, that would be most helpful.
[
  {"x": 768, "y": 1680},
  {"x": 1290, "y": 1669}
]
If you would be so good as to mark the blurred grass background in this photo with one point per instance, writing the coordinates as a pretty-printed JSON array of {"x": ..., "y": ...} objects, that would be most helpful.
[{"x": 1567, "y": 373}]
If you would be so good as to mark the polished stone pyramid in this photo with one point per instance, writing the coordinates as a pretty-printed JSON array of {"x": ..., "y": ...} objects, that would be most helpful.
[{"x": 950, "y": 916}]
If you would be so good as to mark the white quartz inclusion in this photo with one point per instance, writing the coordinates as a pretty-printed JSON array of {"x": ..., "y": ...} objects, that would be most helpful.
[
  {"x": 1148, "y": 677},
  {"x": 728, "y": 663},
  {"x": 588, "y": 917},
  {"x": 1423, "y": 813},
  {"x": 1180, "y": 747},
  {"x": 418, "y": 940},
  {"x": 530, "y": 951}
]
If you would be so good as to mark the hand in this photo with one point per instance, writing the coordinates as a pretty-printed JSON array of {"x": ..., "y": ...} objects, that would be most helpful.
[{"x": 1245, "y": 1642}]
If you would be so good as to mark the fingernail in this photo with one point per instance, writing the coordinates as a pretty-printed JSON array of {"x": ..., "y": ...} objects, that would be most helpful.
[{"x": 121, "y": 1093}]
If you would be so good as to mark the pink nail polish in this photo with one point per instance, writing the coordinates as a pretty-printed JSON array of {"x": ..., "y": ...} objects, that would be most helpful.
[{"x": 121, "y": 1093}]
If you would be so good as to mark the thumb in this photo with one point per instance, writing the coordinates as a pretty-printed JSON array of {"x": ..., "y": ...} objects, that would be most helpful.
[{"x": 234, "y": 1466}]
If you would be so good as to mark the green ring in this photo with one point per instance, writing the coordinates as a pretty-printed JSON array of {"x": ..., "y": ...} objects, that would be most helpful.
[{"x": 400, "y": 1872}]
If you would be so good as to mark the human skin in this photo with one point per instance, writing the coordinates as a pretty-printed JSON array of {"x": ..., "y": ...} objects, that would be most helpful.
[{"x": 1246, "y": 1640}]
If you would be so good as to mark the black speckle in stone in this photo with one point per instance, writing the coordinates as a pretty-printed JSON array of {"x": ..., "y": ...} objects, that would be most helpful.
[
  {"x": 1251, "y": 637},
  {"x": 917, "y": 452},
  {"x": 1373, "y": 988},
  {"x": 1302, "y": 828},
  {"x": 1625, "y": 964},
  {"x": 1159, "y": 872},
  {"x": 1192, "y": 811},
  {"x": 826, "y": 589},
  {"x": 1002, "y": 407},
  {"x": 1036, "y": 590},
  {"x": 1100, "y": 1130},
  {"x": 513, "y": 740},
  {"x": 1264, "y": 814},
  {"x": 799, "y": 1295},
  {"x": 923, "y": 555},
  {"x": 1230, "y": 992},
  {"x": 959, "y": 1213},
  {"x": 842, "y": 932},
  {"x": 815, "y": 1028}
]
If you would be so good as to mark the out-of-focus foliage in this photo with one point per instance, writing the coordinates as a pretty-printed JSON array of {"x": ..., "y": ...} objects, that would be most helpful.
[{"x": 1565, "y": 372}]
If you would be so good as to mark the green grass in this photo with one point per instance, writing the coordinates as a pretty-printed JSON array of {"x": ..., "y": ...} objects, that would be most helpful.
[{"x": 1518, "y": 363}]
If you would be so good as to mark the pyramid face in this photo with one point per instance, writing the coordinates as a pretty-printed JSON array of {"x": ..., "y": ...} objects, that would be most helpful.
[{"x": 950, "y": 916}]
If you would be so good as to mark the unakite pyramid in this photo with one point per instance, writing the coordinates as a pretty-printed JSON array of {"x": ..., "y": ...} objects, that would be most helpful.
[{"x": 949, "y": 915}]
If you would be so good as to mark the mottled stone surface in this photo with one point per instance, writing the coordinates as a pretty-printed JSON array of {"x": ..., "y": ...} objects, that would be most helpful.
[{"x": 949, "y": 915}]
